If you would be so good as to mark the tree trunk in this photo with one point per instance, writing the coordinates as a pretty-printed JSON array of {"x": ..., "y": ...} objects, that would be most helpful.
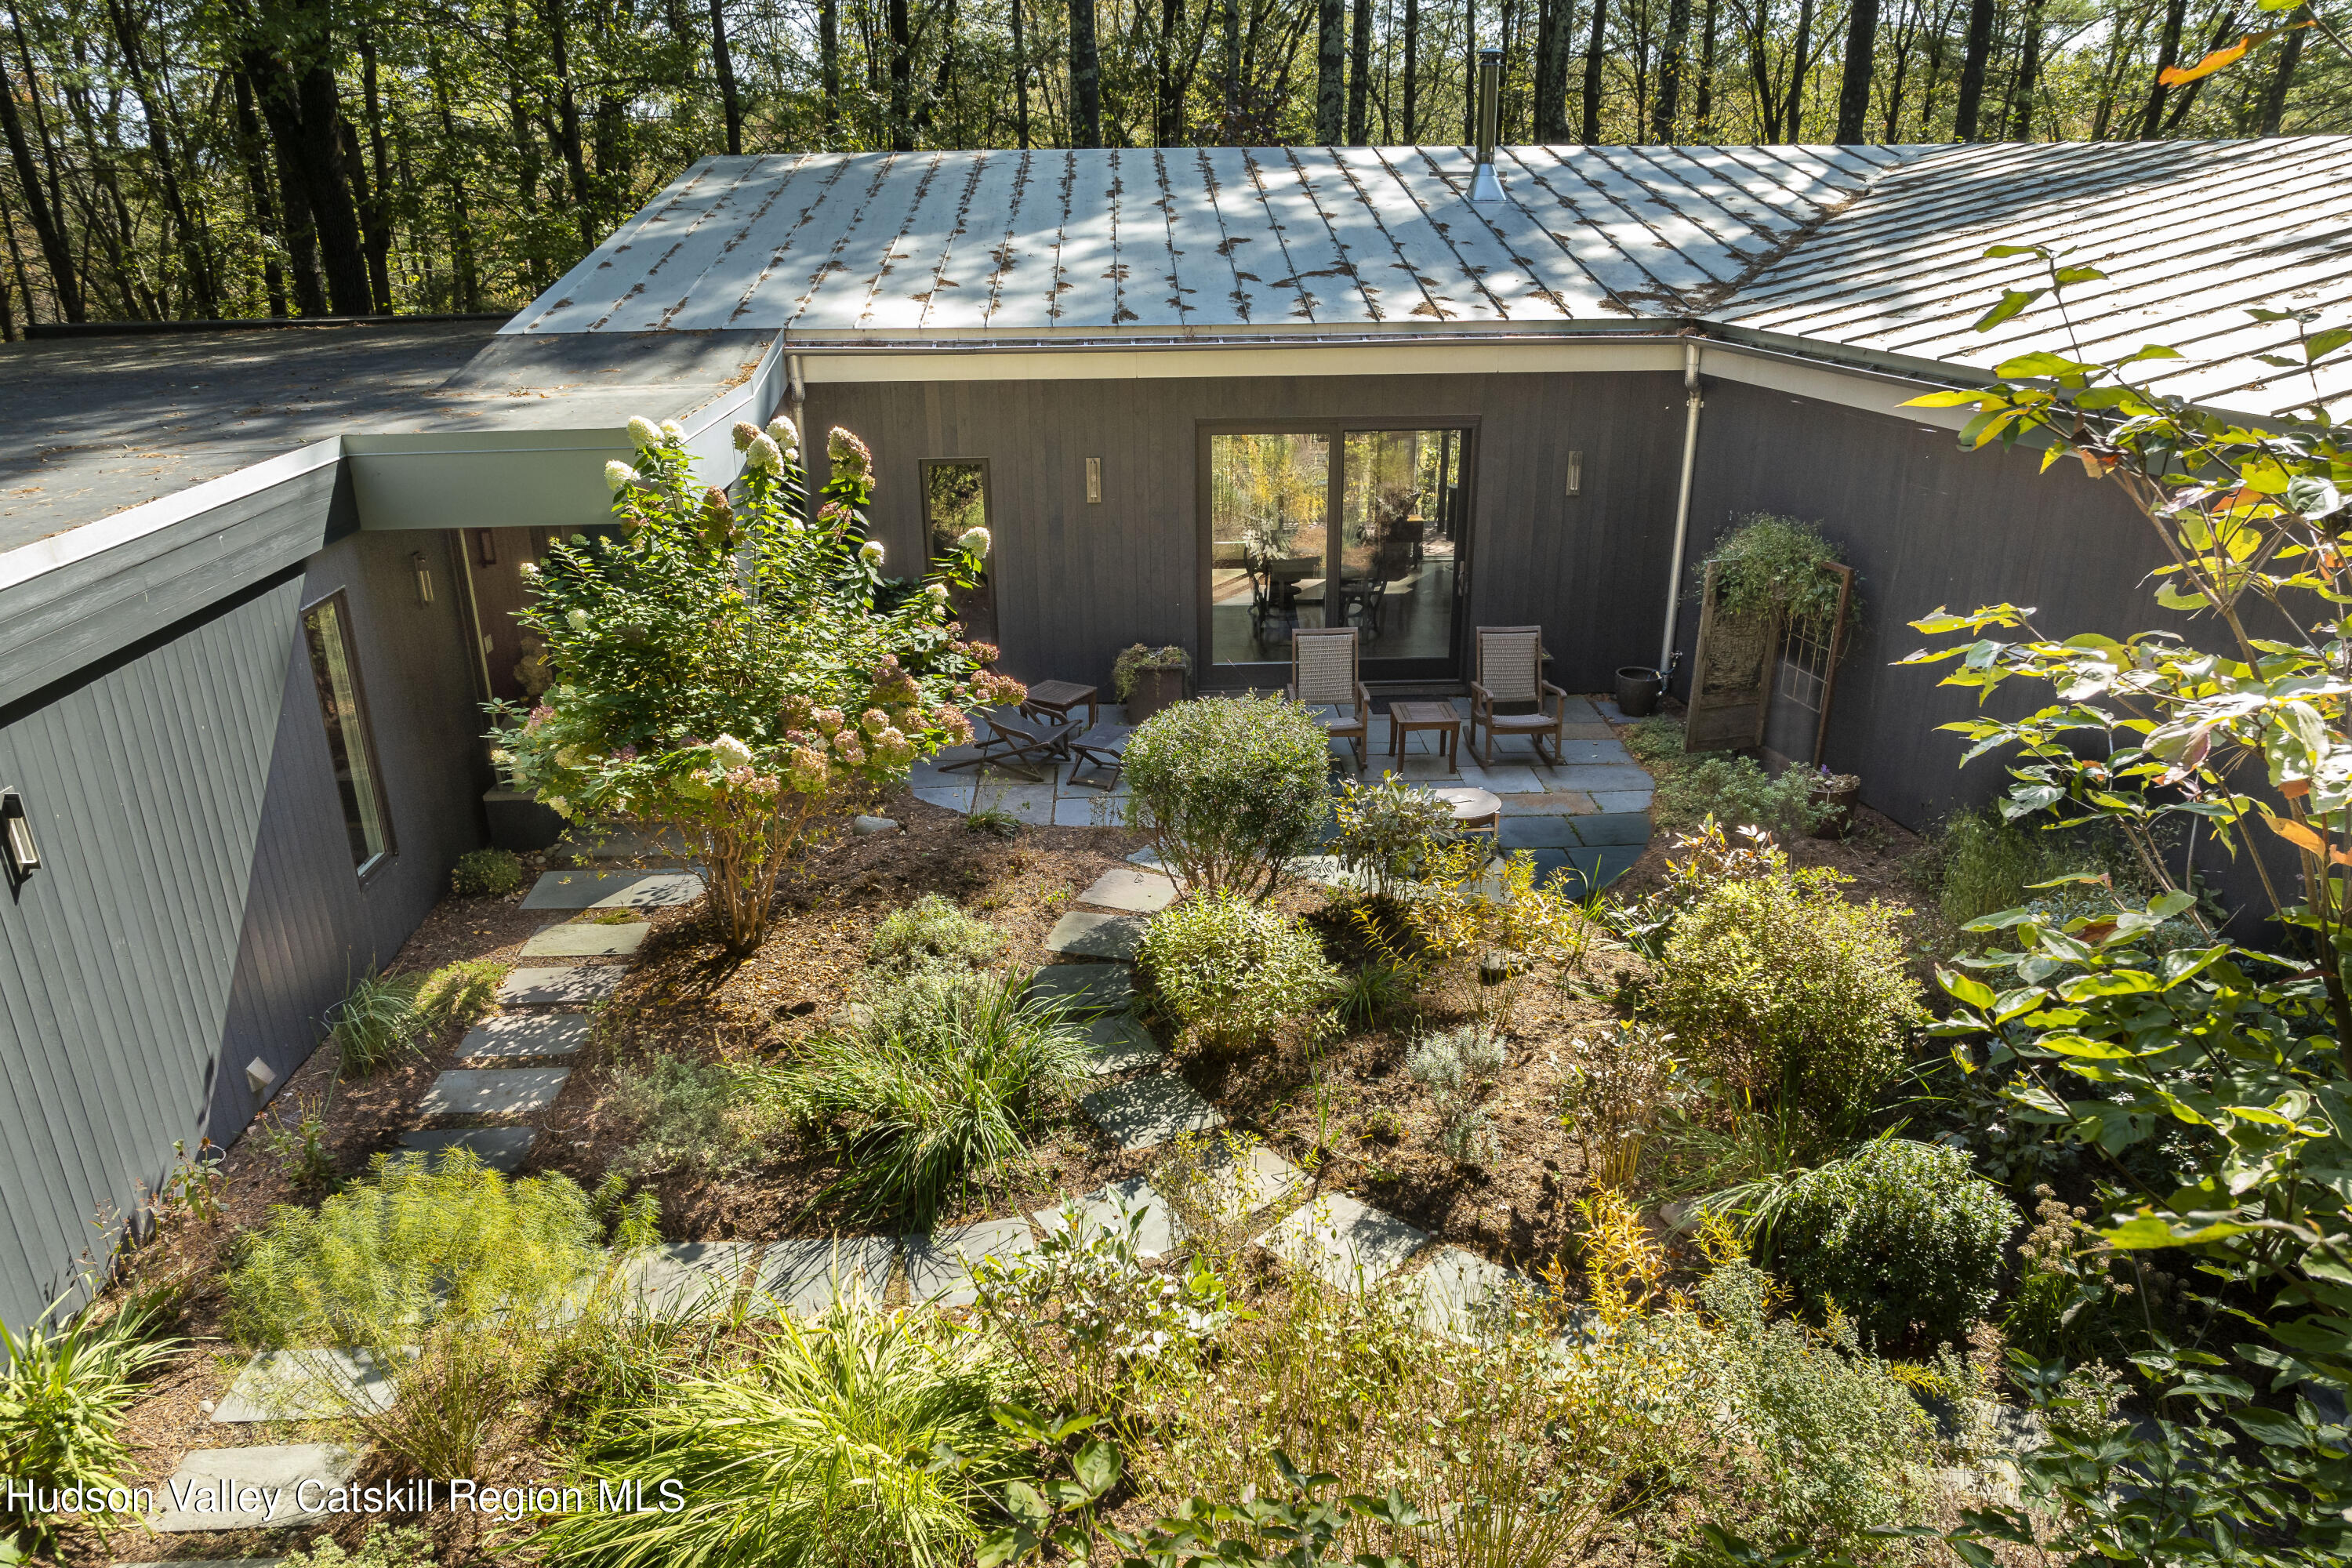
[
  {"x": 1555, "y": 41},
  {"x": 1861, "y": 55},
  {"x": 1020, "y": 80},
  {"x": 1412, "y": 72},
  {"x": 257, "y": 191},
  {"x": 1360, "y": 76},
  {"x": 461, "y": 228},
  {"x": 2167, "y": 54},
  {"x": 1331, "y": 66},
  {"x": 1702, "y": 116},
  {"x": 17, "y": 260},
  {"x": 158, "y": 145},
  {"x": 828, "y": 59},
  {"x": 2029, "y": 76},
  {"x": 374, "y": 184},
  {"x": 2226, "y": 24},
  {"x": 723, "y": 64},
  {"x": 1670, "y": 69},
  {"x": 54, "y": 251},
  {"x": 1593, "y": 60},
  {"x": 567, "y": 115},
  {"x": 1972, "y": 70},
  {"x": 1800, "y": 62},
  {"x": 1085, "y": 75},
  {"x": 2273, "y": 95},
  {"x": 1167, "y": 96}
]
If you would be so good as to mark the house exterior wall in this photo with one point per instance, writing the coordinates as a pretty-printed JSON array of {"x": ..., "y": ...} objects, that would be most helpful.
[
  {"x": 1076, "y": 583},
  {"x": 196, "y": 906}
]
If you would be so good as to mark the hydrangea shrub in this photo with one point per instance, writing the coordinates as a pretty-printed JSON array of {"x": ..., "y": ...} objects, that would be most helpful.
[{"x": 727, "y": 667}]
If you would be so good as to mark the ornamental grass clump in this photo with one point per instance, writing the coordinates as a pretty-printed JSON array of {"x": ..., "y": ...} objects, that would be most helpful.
[
  {"x": 932, "y": 932},
  {"x": 734, "y": 671},
  {"x": 64, "y": 1391},
  {"x": 1229, "y": 790},
  {"x": 1236, "y": 973}
]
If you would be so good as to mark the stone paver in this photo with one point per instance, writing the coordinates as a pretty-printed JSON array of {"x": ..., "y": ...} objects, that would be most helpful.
[
  {"x": 1343, "y": 1243},
  {"x": 1624, "y": 800},
  {"x": 493, "y": 1091},
  {"x": 1030, "y": 803},
  {"x": 1604, "y": 863},
  {"x": 1550, "y": 802},
  {"x": 526, "y": 1034},
  {"x": 304, "y": 1386},
  {"x": 696, "y": 1277},
  {"x": 1137, "y": 892},
  {"x": 1083, "y": 935},
  {"x": 872, "y": 824},
  {"x": 1079, "y": 811},
  {"x": 1461, "y": 1293},
  {"x": 1511, "y": 776},
  {"x": 939, "y": 1267},
  {"x": 1595, "y": 780},
  {"x": 1536, "y": 833},
  {"x": 1115, "y": 1043},
  {"x": 1148, "y": 1111},
  {"x": 1086, "y": 986},
  {"x": 502, "y": 1149},
  {"x": 571, "y": 984},
  {"x": 1148, "y": 858},
  {"x": 243, "y": 1488},
  {"x": 803, "y": 1277},
  {"x": 950, "y": 796},
  {"x": 571, "y": 940},
  {"x": 1259, "y": 1180},
  {"x": 1615, "y": 827},
  {"x": 1109, "y": 1207},
  {"x": 1589, "y": 754},
  {"x": 589, "y": 889}
]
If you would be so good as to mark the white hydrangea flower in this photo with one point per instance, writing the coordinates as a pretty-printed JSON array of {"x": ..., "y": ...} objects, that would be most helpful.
[
  {"x": 763, "y": 455},
  {"x": 939, "y": 591},
  {"x": 558, "y": 804},
  {"x": 730, "y": 752},
  {"x": 579, "y": 619},
  {"x": 644, "y": 431},
  {"x": 783, "y": 433},
  {"x": 870, "y": 552},
  {"x": 619, "y": 476},
  {"x": 974, "y": 541},
  {"x": 672, "y": 430},
  {"x": 531, "y": 568}
]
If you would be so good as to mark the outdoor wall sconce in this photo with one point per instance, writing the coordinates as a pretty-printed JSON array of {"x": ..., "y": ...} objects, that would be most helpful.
[
  {"x": 1576, "y": 473},
  {"x": 24, "y": 854},
  {"x": 1094, "y": 481},
  {"x": 486, "y": 548},
  {"x": 259, "y": 1077},
  {"x": 424, "y": 577}
]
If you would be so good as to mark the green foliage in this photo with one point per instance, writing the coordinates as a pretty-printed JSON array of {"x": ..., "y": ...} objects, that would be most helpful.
[
  {"x": 932, "y": 931},
  {"x": 993, "y": 821},
  {"x": 1375, "y": 992},
  {"x": 377, "y": 1024},
  {"x": 447, "y": 1240},
  {"x": 63, "y": 1393},
  {"x": 1900, "y": 1237},
  {"x": 1229, "y": 790},
  {"x": 1783, "y": 992},
  {"x": 300, "y": 1147},
  {"x": 1737, "y": 791},
  {"x": 459, "y": 995},
  {"x": 1773, "y": 565},
  {"x": 1653, "y": 740},
  {"x": 1132, "y": 662},
  {"x": 1232, "y": 972},
  {"x": 731, "y": 669},
  {"x": 859, "y": 1438},
  {"x": 690, "y": 1116},
  {"x": 1387, "y": 832},
  {"x": 485, "y": 874},
  {"x": 385, "y": 1546},
  {"x": 935, "y": 1086}
]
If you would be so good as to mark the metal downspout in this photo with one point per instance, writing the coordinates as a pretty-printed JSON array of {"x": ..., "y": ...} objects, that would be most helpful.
[{"x": 1682, "y": 502}]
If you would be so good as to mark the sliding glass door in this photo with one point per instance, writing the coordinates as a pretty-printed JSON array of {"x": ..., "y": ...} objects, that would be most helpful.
[{"x": 1374, "y": 541}]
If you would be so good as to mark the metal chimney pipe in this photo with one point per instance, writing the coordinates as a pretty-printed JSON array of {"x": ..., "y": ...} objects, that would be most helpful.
[{"x": 1483, "y": 185}]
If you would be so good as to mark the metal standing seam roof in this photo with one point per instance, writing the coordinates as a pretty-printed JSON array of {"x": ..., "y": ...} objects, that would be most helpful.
[{"x": 1875, "y": 253}]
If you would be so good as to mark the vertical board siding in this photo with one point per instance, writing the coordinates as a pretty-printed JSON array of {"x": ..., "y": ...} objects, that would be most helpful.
[{"x": 197, "y": 906}]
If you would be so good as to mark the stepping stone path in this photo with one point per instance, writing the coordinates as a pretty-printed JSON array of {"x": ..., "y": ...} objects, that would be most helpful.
[
  {"x": 525, "y": 1035},
  {"x": 502, "y": 1149},
  {"x": 1110, "y": 1207},
  {"x": 1460, "y": 1292},
  {"x": 286, "y": 1385},
  {"x": 1343, "y": 1243},
  {"x": 575, "y": 940},
  {"x": 1117, "y": 1043},
  {"x": 1147, "y": 1112},
  {"x": 1079, "y": 934},
  {"x": 567, "y": 986},
  {"x": 690, "y": 1276},
  {"x": 243, "y": 1488},
  {"x": 587, "y": 889},
  {"x": 803, "y": 1277},
  {"x": 1137, "y": 892},
  {"x": 939, "y": 1267},
  {"x": 1109, "y": 987},
  {"x": 500, "y": 1091}
]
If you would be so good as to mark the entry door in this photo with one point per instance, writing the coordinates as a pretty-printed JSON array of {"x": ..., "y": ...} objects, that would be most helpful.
[{"x": 1340, "y": 526}]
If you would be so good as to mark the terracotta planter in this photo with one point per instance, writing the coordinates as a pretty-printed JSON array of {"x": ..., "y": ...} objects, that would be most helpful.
[
  {"x": 1154, "y": 689},
  {"x": 1843, "y": 801}
]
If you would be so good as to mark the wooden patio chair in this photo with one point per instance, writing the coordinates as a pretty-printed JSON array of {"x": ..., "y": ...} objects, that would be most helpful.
[
  {"x": 1511, "y": 673},
  {"x": 1019, "y": 749},
  {"x": 1323, "y": 675}
]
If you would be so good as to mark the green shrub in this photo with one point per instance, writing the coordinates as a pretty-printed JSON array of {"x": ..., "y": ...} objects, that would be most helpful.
[
  {"x": 1784, "y": 993},
  {"x": 930, "y": 930},
  {"x": 1978, "y": 865},
  {"x": 378, "y": 1023},
  {"x": 823, "y": 1452},
  {"x": 1229, "y": 790},
  {"x": 1657, "y": 738},
  {"x": 1739, "y": 792},
  {"x": 689, "y": 1115},
  {"x": 934, "y": 1087},
  {"x": 1767, "y": 564},
  {"x": 63, "y": 1395},
  {"x": 1900, "y": 1235},
  {"x": 1233, "y": 971},
  {"x": 485, "y": 874},
  {"x": 460, "y": 993},
  {"x": 386, "y": 1546},
  {"x": 1387, "y": 832}
]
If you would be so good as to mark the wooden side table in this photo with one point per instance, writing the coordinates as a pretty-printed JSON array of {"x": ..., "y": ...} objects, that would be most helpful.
[
  {"x": 1058, "y": 697},
  {"x": 1406, "y": 717}
]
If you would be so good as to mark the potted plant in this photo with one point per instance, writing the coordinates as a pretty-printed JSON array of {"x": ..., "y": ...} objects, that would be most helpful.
[
  {"x": 1836, "y": 795},
  {"x": 1149, "y": 678}
]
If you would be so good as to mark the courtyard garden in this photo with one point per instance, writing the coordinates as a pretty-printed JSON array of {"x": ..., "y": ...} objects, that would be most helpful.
[{"x": 816, "y": 1161}]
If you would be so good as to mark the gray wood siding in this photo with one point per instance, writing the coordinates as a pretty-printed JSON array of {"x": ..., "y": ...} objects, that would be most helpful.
[
  {"x": 1078, "y": 583},
  {"x": 197, "y": 906}
]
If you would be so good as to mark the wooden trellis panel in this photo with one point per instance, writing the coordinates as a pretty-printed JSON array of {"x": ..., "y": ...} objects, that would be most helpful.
[{"x": 1797, "y": 718}]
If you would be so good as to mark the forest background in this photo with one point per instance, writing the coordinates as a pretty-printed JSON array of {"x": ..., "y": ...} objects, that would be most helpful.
[{"x": 199, "y": 159}]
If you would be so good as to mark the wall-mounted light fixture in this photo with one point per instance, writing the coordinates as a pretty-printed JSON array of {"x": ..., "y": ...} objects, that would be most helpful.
[
  {"x": 258, "y": 1078},
  {"x": 1094, "y": 481},
  {"x": 486, "y": 548},
  {"x": 16, "y": 835},
  {"x": 1576, "y": 473},
  {"x": 424, "y": 577}
]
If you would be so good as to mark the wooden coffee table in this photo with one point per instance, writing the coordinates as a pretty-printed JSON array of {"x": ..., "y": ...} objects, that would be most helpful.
[
  {"x": 1058, "y": 697},
  {"x": 1404, "y": 717}
]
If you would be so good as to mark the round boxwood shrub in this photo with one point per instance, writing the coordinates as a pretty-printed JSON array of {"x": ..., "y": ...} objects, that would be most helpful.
[
  {"x": 1234, "y": 972},
  {"x": 1784, "y": 993},
  {"x": 485, "y": 874},
  {"x": 1900, "y": 1236},
  {"x": 1229, "y": 789}
]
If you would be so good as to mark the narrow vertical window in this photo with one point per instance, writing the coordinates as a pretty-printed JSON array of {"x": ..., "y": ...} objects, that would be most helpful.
[{"x": 334, "y": 672}]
